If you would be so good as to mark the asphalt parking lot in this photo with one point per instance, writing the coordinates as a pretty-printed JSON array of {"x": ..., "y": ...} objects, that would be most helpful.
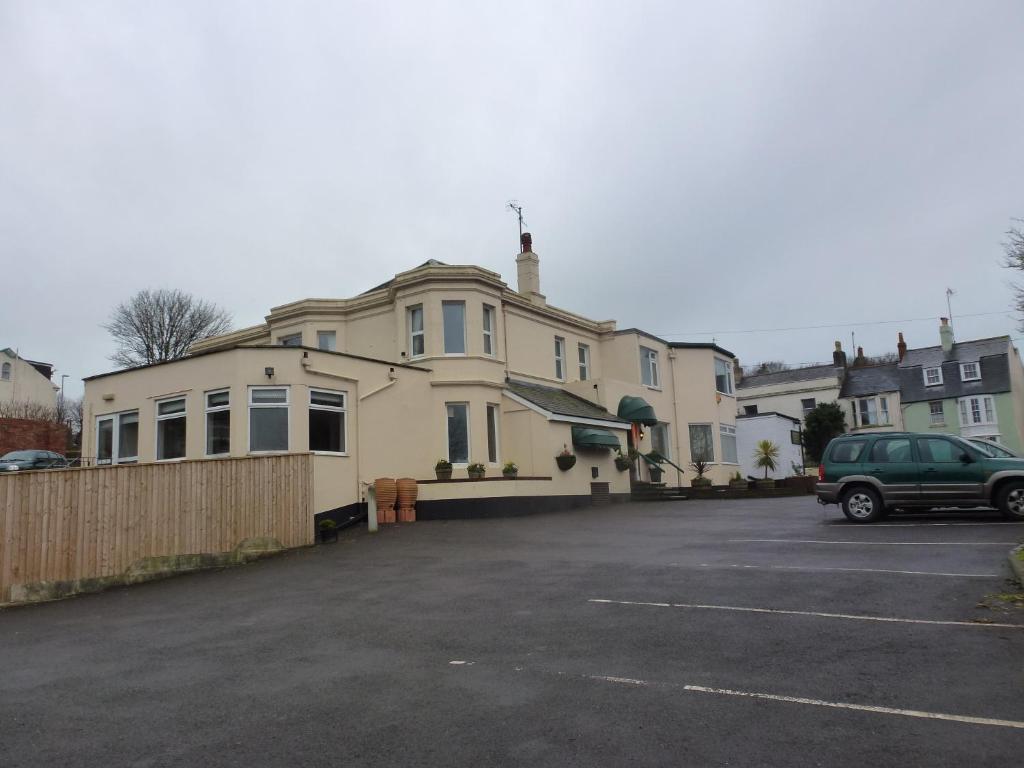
[{"x": 767, "y": 632}]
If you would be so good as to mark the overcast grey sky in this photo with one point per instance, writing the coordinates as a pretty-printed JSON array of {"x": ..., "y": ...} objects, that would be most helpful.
[{"x": 685, "y": 167}]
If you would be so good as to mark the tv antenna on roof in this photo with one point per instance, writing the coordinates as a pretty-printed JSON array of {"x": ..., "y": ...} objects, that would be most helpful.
[{"x": 516, "y": 207}]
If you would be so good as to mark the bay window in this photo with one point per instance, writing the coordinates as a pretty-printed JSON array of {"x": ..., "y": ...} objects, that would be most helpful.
[
  {"x": 977, "y": 410},
  {"x": 492, "y": 433},
  {"x": 327, "y": 421},
  {"x": 268, "y": 419},
  {"x": 170, "y": 429},
  {"x": 458, "y": 432},
  {"x": 292, "y": 340},
  {"x": 488, "y": 329},
  {"x": 417, "y": 346},
  {"x": 327, "y": 340},
  {"x": 453, "y": 316}
]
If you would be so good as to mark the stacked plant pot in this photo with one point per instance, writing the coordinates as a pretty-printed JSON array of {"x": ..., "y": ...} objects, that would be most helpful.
[
  {"x": 387, "y": 491},
  {"x": 407, "y": 493}
]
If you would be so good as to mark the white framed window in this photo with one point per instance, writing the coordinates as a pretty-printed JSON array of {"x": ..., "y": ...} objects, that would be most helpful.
[
  {"x": 458, "y": 432},
  {"x": 970, "y": 372},
  {"x": 883, "y": 410},
  {"x": 808, "y": 404},
  {"x": 933, "y": 376},
  {"x": 867, "y": 413},
  {"x": 327, "y": 340},
  {"x": 723, "y": 376},
  {"x": 170, "y": 429},
  {"x": 659, "y": 439},
  {"x": 727, "y": 436},
  {"x": 5, "y": 372},
  {"x": 453, "y": 316},
  {"x": 936, "y": 416},
  {"x": 291, "y": 340},
  {"x": 327, "y": 432},
  {"x": 488, "y": 329},
  {"x": 702, "y": 446},
  {"x": 559, "y": 358},
  {"x": 493, "y": 418},
  {"x": 117, "y": 438},
  {"x": 417, "y": 339},
  {"x": 584, "y": 357},
  {"x": 268, "y": 419},
  {"x": 977, "y": 410},
  {"x": 649, "y": 374},
  {"x": 218, "y": 422}
]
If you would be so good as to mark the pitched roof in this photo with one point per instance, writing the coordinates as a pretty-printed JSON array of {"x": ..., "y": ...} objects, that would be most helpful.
[
  {"x": 560, "y": 402},
  {"x": 963, "y": 352},
  {"x": 808, "y": 373},
  {"x": 870, "y": 380}
]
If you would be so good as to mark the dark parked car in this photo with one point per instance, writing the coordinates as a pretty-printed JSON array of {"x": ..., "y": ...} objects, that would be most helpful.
[
  {"x": 19, "y": 460},
  {"x": 870, "y": 474}
]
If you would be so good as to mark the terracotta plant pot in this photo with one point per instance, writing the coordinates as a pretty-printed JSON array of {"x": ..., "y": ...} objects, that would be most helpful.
[
  {"x": 387, "y": 491},
  {"x": 565, "y": 462},
  {"x": 407, "y": 492}
]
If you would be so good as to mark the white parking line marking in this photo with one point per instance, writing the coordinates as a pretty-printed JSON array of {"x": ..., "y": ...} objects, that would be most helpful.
[
  {"x": 879, "y": 543},
  {"x": 856, "y": 617},
  {"x": 857, "y": 570},
  {"x": 925, "y": 525}
]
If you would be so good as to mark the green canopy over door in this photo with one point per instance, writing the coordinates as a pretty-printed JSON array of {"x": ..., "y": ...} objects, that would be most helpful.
[
  {"x": 637, "y": 410},
  {"x": 594, "y": 437}
]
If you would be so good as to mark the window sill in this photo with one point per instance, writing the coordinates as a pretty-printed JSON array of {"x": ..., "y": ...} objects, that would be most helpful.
[
  {"x": 330, "y": 453},
  {"x": 725, "y": 394},
  {"x": 651, "y": 387},
  {"x": 217, "y": 456},
  {"x": 267, "y": 453},
  {"x": 170, "y": 461},
  {"x": 484, "y": 479}
]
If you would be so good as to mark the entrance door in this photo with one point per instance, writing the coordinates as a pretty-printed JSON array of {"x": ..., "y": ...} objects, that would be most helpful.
[{"x": 945, "y": 474}]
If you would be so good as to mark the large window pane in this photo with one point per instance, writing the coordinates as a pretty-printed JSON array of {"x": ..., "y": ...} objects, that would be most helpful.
[
  {"x": 218, "y": 432},
  {"x": 326, "y": 430},
  {"x": 702, "y": 447},
  {"x": 458, "y": 433},
  {"x": 723, "y": 376},
  {"x": 492, "y": 434},
  {"x": 104, "y": 441},
  {"x": 416, "y": 338},
  {"x": 268, "y": 429},
  {"x": 727, "y": 436},
  {"x": 128, "y": 437},
  {"x": 269, "y": 395},
  {"x": 170, "y": 438},
  {"x": 454, "y": 316},
  {"x": 327, "y": 340}
]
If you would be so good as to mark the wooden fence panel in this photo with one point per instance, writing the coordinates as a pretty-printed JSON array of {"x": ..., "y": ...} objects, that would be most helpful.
[{"x": 96, "y": 522}]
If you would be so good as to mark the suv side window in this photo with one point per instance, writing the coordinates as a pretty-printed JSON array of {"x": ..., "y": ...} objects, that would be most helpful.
[
  {"x": 847, "y": 452},
  {"x": 891, "y": 450},
  {"x": 936, "y": 450}
]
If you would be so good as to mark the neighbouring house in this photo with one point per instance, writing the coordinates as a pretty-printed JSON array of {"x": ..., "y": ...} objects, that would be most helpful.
[
  {"x": 441, "y": 361},
  {"x": 28, "y": 401},
  {"x": 870, "y": 396},
  {"x": 794, "y": 392},
  {"x": 971, "y": 388},
  {"x": 784, "y": 431}
]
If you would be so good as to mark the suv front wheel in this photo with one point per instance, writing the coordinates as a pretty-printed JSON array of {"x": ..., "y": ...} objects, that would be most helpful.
[
  {"x": 1011, "y": 500},
  {"x": 864, "y": 505}
]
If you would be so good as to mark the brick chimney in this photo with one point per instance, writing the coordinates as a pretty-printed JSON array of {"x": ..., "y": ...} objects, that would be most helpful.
[
  {"x": 946, "y": 335},
  {"x": 839, "y": 357},
  {"x": 528, "y": 270},
  {"x": 901, "y": 347},
  {"x": 860, "y": 359}
]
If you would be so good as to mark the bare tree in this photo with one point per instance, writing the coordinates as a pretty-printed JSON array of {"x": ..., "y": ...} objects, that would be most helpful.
[
  {"x": 1014, "y": 250},
  {"x": 768, "y": 366},
  {"x": 154, "y": 326},
  {"x": 885, "y": 357},
  {"x": 24, "y": 409}
]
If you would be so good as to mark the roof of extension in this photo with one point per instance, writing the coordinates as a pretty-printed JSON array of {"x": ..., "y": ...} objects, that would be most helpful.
[
  {"x": 870, "y": 380},
  {"x": 808, "y": 373},
  {"x": 558, "y": 401}
]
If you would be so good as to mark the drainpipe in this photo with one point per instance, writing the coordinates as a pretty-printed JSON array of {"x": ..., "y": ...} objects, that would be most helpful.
[{"x": 675, "y": 414}]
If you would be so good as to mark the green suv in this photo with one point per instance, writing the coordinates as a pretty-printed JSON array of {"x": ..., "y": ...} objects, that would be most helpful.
[{"x": 869, "y": 474}]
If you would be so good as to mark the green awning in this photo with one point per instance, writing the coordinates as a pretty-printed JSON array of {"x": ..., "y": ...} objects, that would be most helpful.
[
  {"x": 638, "y": 410},
  {"x": 594, "y": 437}
]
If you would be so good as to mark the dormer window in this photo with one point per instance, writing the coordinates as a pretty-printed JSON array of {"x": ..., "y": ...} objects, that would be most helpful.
[
  {"x": 933, "y": 376},
  {"x": 970, "y": 372}
]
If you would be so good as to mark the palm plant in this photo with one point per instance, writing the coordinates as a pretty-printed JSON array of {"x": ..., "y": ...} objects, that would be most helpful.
[{"x": 765, "y": 455}]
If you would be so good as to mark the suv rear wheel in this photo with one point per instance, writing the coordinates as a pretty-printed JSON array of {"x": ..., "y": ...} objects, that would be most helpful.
[
  {"x": 864, "y": 505},
  {"x": 1010, "y": 500}
]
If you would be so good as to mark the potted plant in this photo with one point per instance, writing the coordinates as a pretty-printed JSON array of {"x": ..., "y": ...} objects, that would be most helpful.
[
  {"x": 443, "y": 469},
  {"x": 655, "y": 467},
  {"x": 700, "y": 466},
  {"x": 566, "y": 459},
  {"x": 510, "y": 470},
  {"x": 765, "y": 456},
  {"x": 476, "y": 470},
  {"x": 737, "y": 483},
  {"x": 622, "y": 463},
  {"x": 328, "y": 530}
]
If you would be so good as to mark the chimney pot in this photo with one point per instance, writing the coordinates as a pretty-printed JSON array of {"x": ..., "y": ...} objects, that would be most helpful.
[
  {"x": 526, "y": 242},
  {"x": 901, "y": 347}
]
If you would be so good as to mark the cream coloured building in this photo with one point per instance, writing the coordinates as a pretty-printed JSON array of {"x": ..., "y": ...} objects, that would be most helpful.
[
  {"x": 26, "y": 381},
  {"x": 442, "y": 361}
]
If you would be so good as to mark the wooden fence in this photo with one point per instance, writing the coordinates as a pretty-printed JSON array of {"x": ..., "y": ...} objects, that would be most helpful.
[{"x": 69, "y": 525}]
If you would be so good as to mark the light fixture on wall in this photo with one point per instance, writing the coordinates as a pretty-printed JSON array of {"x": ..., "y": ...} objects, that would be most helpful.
[
  {"x": 641, "y": 433},
  {"x": 269, "y": 371}
]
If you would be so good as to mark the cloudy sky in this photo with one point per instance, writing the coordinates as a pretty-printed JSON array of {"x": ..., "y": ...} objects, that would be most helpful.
[{"x": 694, "y": 169}]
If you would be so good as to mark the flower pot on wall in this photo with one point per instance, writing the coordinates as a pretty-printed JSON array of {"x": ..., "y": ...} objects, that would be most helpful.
[
  {"x": 512, "y": 475},
  {"x": 443, "y": 473},
  {"x": 565, "y": 462},
  {"x": 407, "y": 492},
  {"x": 386, "y": 490},
  {"x": 701, "y": 482},
  {"x": 656, "y": 473}
]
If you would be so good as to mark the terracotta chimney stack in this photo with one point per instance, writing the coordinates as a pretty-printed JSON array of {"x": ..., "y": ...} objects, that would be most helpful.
[{"x": 901, "y": 347}]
